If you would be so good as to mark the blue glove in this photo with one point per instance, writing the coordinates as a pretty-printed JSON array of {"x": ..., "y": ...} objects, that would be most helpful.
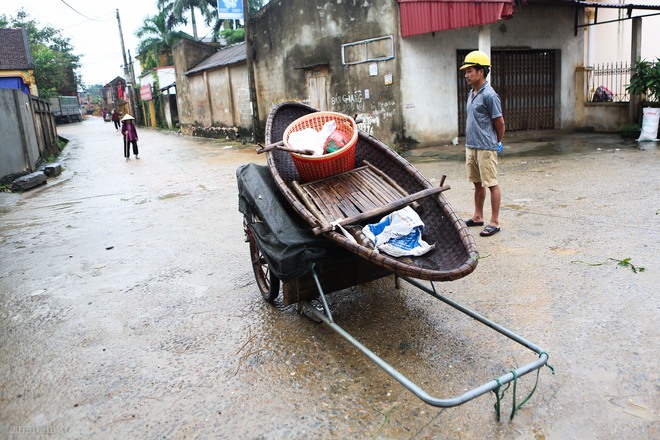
[{"x": 500, "y": 147}]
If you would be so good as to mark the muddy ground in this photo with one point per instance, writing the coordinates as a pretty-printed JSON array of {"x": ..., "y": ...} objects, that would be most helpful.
[{"x": 129, "y": 308}]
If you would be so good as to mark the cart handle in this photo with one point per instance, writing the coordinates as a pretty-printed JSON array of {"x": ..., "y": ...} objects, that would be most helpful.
[{"x": 411, "y": 386}]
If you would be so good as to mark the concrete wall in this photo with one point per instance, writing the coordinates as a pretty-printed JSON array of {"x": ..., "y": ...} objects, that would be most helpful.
[
  {"x": 606, "y": 116},
  {"x": 612, "y": 40},
  {"x": 19, "y": 140},
  {"x": 213, "y": 98},
  {"x": 295, "y": 37},
  {"x": 188, "y": 54},
  {"x": 220, "y": 97},
  {"x": 428, "y": 69}
]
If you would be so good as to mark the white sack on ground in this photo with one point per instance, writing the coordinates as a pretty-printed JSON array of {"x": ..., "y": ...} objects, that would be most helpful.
[{"x": 650, "y": 124}]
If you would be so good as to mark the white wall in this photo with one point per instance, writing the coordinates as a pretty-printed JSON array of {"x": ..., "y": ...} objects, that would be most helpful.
[
  {"x": 612, "y": 40},
  {"x": 428, "y": 72}
]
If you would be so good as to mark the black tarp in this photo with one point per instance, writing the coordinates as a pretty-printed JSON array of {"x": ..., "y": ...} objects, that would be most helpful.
[{"x": 286, "y": 242}]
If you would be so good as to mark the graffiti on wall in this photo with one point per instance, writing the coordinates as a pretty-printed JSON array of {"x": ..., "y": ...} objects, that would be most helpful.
[
  {"x": 371, "y": 113},
  {"x": 350, "y": 102}
]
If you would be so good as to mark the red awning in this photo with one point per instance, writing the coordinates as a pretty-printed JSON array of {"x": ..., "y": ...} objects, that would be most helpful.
[{"x": 424, "y": 16}]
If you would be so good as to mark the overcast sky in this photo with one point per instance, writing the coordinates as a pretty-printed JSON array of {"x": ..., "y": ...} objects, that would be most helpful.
[{"x": 93, "y": 30}]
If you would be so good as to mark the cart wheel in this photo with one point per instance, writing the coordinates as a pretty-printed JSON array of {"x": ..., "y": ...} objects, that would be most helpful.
[{"x": 268, "y": 283}]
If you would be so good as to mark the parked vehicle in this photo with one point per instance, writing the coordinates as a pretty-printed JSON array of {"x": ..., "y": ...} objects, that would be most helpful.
[{"x": 66, "y": 109}]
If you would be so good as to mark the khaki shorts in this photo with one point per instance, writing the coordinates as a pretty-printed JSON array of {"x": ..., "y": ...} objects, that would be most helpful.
[{"x": 481, "y": 166}]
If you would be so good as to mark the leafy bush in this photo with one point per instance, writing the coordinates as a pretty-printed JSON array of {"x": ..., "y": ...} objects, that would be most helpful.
[{"x": 645, "y": 80}]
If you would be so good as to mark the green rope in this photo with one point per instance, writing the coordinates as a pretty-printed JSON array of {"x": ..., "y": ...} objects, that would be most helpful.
[
  {"x": 515, "y": 407},
  {"x": 499, "y": 396}
]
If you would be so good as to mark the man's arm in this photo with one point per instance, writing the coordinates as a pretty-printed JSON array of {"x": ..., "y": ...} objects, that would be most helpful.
[{"x": 498, "y": 125}]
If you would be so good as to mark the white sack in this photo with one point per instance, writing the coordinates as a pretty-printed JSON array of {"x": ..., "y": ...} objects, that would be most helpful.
[{"x": 650, "y": 124}]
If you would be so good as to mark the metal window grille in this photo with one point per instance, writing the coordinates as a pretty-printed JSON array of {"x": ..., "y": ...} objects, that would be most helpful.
[
  {"x": 373, "y": 49},
  {"x": 612, "y": 76}
]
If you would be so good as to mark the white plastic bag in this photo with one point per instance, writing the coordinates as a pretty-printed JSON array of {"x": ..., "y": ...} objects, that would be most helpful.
[
  {"x": 399, "y": 234},
  {"x": 310, "y": 139},
  {"x": 307, "y": 139},
  {"x": 650, "y": 124}
]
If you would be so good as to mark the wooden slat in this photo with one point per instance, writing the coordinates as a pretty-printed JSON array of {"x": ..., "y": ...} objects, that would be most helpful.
[
  {"x": 386, "y": 209},
  {"x": 354, "y": 196}
]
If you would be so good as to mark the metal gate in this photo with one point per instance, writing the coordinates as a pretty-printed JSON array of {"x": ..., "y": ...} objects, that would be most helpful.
[{"x": 525, "y": 81}]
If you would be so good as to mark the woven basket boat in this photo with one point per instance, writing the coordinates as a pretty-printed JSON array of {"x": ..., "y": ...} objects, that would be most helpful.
[{"x": 381, "y": 182}]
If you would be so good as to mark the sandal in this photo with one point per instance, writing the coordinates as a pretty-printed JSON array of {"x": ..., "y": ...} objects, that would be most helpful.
[
  {"x": 489, "y": 230},
  {"x": 469, "y": 222}
]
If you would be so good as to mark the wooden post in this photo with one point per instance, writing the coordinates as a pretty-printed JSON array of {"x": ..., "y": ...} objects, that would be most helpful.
[
  {"x": 256, "y": 124},
  {"x": 635, "y": 54}
]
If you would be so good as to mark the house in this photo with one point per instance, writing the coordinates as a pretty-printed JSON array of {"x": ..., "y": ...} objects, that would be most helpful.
[
  {"x": 613, "y": 28},
  {"x": 211, "y": 89},
  {"x": 114, "y": 96},
  {"x": 617, "y": 35},
  {"x": 16, "y": 64},
  {"x": 395, "y": 63},
  {"x": 157, "y": 106}
]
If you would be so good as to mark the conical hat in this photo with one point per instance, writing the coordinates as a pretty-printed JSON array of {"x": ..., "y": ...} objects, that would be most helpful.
[{"x": 127, "y": 117}]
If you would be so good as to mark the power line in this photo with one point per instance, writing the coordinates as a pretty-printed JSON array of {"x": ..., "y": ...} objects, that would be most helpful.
[
  {"x": 77, "y": 12},
  {"x": 92, "y": 19}
]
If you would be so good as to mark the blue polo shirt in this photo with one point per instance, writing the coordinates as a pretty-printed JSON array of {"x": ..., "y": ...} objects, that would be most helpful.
[{"x": 481, "y": 110}]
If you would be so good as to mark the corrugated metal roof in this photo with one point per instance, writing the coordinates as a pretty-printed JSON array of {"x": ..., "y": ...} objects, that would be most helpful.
[
  {"x": 15, "y": 51},
  {"x": 600, "y": 4},
  {"x": 225, "y": 57},
  {"x": 424, "y": 16}
]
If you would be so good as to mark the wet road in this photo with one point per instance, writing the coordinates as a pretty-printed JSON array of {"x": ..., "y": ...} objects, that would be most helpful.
[{"x": 129, "y": 308}]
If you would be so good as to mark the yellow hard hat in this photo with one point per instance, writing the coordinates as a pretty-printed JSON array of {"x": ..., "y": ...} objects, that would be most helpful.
[{"x": 475, "y": 57}]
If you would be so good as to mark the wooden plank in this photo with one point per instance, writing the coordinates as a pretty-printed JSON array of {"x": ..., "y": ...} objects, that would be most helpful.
[
  {"x": 397, "y": 204},
  {"x": 386, "y": 189},
  {"x": 365, "y": 202},
  {"x": 391, "y": 182},
  {"x": 377, "y": 197},
  {"x": 329, "y": 209},
  {"x": 309, "y": 203}
]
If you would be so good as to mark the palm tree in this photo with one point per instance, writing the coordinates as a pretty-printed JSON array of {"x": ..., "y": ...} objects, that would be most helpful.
[
  {"x": 178, "y": 8},
  {"x": 156, "y": 40}
]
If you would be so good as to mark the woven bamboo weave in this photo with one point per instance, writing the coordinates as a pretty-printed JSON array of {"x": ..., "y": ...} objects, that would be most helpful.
[{"x": 455, "y": 254}]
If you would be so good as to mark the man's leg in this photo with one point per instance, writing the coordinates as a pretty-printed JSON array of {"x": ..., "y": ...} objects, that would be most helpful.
[
  {"x": 495, "y": 199},
  {"x": 479, "y": 199}
]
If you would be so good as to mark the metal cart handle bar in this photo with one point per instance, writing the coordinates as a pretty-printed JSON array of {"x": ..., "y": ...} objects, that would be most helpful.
[{"x": 403, "y": 380}]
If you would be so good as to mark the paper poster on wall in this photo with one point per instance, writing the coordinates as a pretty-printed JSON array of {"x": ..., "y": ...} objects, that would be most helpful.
[
  {"x": 388, "y": 79},
  {"x": 366, "y": 93},
  {"x": 373, "y": 69}
]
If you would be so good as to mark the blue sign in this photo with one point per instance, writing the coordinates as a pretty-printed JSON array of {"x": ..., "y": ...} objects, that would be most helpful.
[{"x": 230, "y": 9}]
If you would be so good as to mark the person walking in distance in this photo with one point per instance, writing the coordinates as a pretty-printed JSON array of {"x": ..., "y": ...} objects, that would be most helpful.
[
  {"x": 116, "y": 116},
  {"x": 483, "y": 140},
  {"x": 130, "y": 136}
]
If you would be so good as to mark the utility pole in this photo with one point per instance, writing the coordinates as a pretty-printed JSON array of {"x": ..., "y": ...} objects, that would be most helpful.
[
  {"x": 256, "y": 125},
  {"x": 130, "y": 81}
]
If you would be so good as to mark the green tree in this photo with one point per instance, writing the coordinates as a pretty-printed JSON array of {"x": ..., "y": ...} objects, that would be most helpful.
[
  {"x": 156, "y": 40},
  {"x": 55, "y": 64},
  {"x": 233, "y": 36},
  {"x": 179, "y": 8}
]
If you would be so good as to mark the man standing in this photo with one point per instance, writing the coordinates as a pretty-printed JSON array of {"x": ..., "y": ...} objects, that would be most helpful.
[{"x": 483, "y": 140}]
